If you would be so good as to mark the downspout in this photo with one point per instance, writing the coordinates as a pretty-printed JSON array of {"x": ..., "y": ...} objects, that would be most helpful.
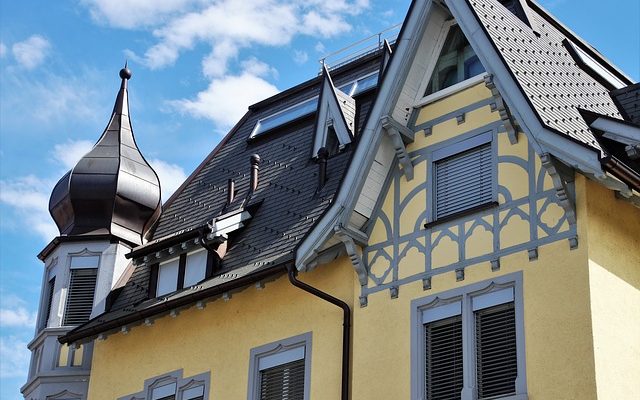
[{"x": 346, "y": 325}]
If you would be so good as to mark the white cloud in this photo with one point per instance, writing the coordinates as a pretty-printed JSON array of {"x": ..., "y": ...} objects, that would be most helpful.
[
  {"x": 300, "y": 57},
  {"x": 29, "y": 198},
  {"x": 3, "y": 50},
  {"x": 319, "y": 47},
  {"x": 171, "y": 176},
  {"x": 14, "y": 357},
  {"x": 31, "y": 52},
  {"x": 52, "y": 98},
  {"x": 135, "y": 13},
  {"x": 69, "y": 153},
  {"x": 17, "y": 318},
  {"x": 227, "y": 98}
]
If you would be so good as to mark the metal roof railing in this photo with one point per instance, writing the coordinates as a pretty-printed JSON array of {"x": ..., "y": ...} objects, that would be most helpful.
[{"x": 360, "y": 48}]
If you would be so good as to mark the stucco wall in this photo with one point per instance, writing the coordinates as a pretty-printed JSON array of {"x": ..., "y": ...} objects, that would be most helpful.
[
  {"x": 614, "y": 278},
  {"x": 220, "y": 337}
]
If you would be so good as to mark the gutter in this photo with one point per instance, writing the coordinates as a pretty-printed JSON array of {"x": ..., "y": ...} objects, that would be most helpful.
[
  {"x": 346, "y": 324},
  {"x": 622, "y": 171},
  {"x": 166, "y": 306}
]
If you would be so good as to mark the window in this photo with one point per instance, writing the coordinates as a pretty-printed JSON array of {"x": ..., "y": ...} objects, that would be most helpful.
[
  {"x": 82, "y": 287},
  {"x": 463, "y": 176},
  {"x": 172, "y": 386},
  {"x": 184, "y": 271},
  {"x": 358, "y": 86},
  {"x": 281, "y": 370},
  {"x": 47, "y": 310},
  {"x": 469, "y": 341},
  {"x": 456, "y": 63},
  {"x": 70, "y": 356},
  {"x": 280, "y": 118},
  {"x": 593, "y": 67}
]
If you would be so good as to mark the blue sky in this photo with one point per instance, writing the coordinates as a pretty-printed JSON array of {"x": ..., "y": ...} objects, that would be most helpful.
[{"x": 196, "y": 65}]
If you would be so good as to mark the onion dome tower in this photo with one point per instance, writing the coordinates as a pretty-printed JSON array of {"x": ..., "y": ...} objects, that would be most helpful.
[
  {"x": 112, "y": 189},
  {"x": 103, "y": 208}
]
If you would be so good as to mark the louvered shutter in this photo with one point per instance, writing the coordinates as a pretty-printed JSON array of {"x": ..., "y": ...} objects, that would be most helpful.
[
  {"x": 50, "y": 291},
  {"x": 443, "y": 372},
  {"x": 283, "y": 382},
  {"x": 463, "y": 181},
  {"x": 496, "y": 351},
  {"x": 82, "y": 287}
]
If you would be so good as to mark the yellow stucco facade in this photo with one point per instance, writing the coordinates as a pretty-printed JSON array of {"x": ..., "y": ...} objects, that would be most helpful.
[{"x": 580, "y": 286}]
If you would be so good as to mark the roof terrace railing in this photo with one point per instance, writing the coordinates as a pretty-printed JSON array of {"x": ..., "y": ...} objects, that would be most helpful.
[{"x": 360, "y": 48}]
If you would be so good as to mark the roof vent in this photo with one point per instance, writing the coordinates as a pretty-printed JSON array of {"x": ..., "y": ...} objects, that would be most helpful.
[
  {"x": 255, "y": 167},
  {"x": 323, "y": 154}
]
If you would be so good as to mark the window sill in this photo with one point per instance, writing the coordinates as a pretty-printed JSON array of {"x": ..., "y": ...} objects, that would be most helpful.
[
  {"x": 463, "y": 213},
  {"x": 467, "y": 83}
]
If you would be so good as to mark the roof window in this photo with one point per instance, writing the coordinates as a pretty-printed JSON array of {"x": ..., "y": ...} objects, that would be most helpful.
[
  {"x": 593, "y": 67},
  {"x": 359, "y": 85},
  {"x": 282, "y": 117}
]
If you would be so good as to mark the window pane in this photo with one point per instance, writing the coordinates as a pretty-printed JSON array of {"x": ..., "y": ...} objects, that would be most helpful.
[
  {"x": 497, "y": 366},
  {"x": 194, "y": 393},
  {"x": 456, "y": 62},
  {"x": 366, "y": 83},
  {"x": 196, "y": 268},
  {"x": 77, "y": 357},
  {"x": 165, "y": 392},
  {"x": 443, "y": 373},
  {"x": 50, "y": 292},
  {"x": 168, "y": 277},
  {"x": 297, "y": 111},
  {"x": 282, "y": 382}
]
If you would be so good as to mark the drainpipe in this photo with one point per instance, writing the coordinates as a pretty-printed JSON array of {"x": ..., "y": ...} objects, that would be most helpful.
[{"x": 346, "y": 325}]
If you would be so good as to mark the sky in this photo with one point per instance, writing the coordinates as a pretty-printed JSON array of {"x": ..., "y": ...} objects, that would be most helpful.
[{"x": 197, "y": 65}]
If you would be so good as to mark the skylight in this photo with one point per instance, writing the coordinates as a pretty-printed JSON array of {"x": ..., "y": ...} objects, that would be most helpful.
[
  {"x": 282, "y": 117},
  {"x": 594, "y": 67},
  {"x": 360, "y": 85}
]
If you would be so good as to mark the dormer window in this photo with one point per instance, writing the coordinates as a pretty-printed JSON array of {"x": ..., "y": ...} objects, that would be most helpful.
[
  {"x": 184, "y": 271},
  {"x": 456, "y": 63},
  {"x": 285, "y": 116}
]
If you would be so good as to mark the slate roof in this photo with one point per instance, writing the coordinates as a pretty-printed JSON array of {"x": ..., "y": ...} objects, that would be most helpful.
[
  {"x": 628, "y": 101},
  {"x": 289, "y": 202},
  {"x": 554, "y": 84}
]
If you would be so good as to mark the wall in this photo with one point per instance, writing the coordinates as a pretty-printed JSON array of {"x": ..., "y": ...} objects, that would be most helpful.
[
  {"x": 220, "y": 337},
  {"x": 614, "y": 279}
]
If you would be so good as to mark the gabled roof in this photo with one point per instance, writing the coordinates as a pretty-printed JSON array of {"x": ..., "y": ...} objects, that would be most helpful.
[
  {"x": 554, "y": 85},
  {"x": 290, "y": 202}
]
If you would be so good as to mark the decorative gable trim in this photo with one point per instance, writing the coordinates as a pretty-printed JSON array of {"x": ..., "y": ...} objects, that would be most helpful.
[
  {"x": 336, "y": 111},
  {"x": 400, "y": 136}
]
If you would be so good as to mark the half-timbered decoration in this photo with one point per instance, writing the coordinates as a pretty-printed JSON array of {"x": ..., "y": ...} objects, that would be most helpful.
[{"x": 453, "y": 213}]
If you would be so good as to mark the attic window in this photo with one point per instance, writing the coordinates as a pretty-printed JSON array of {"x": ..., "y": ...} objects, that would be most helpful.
[
  {"x": 593, "y": 67},
  {"x": 359, "y": 85},
  {"x": 457, "y": 62},
  {"x": 282, "y": 117}
]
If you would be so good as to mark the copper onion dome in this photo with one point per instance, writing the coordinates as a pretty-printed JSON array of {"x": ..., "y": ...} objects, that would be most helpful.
[{"x": 112, "y": 189}]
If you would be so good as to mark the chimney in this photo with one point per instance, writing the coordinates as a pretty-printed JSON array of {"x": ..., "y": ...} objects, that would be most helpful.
[
  {"x": 323, "y": 154},
  {"x": 231, "y": 188},
  {"x": 255, "y": 161}
]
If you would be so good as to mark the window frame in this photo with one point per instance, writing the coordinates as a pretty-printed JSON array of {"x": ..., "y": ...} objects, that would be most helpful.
[
  {"x": 66, "y": 304},
  {"x": 423, "y": 99},
  {"x": 452, "y": 147},
  {"x": 277, "y": 348},
  {"x": 440, "y": 304},
  {"x": 257, "y": 132},
  {"x": 182, "y": 385}
]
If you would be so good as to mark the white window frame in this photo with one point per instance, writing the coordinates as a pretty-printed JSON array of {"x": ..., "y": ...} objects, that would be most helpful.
[
  {"x": 278, "y": 353},
  {"x": 168, "y": 278},
  {"x": 64, "y": 295},
  {"x": 203, "y": 267},
  {"x": 354, "y": 90},
  {"x": 423, "y": 100},
  {"x": 461, "y": 301}
]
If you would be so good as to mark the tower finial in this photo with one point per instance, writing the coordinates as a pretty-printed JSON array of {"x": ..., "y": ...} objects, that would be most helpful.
[{"x": 125, "y": 73}]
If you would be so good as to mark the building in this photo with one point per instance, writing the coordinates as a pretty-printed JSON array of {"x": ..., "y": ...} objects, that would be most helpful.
[{"x": 454, "y": 215}]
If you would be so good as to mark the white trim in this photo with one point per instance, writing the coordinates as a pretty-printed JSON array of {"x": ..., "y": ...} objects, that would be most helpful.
[
  {"x": 448, "y": 91},
  {"x": 168, "y": 277},
  {"x": 596, "y": 67},
  {"x": 195, "y": 268}
]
